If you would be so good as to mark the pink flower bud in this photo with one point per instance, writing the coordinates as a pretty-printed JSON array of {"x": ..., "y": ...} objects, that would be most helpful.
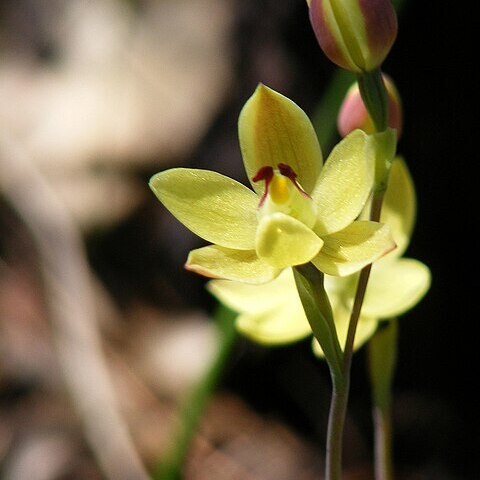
[
  {"x": 354, "y": 34},
  {"x": 353, "y": 113}
]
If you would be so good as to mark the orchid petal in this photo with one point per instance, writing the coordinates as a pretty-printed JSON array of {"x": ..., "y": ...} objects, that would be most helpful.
[
  {"x": 284, "y": 324},
  {"x": 241, "y": 265},
  {"x": 284, "y": 241},
  {"x": 399, "y": 205},
  {"x": 272, "y": 130},
  {"x": 247, "y": 298},
  {"x": 344, "y": 183},
  {"x": 271, "y": 313},
  {"x": 395, "y": 287},
  {"x": 354, "y": 247},
  {"x": 214, "y": 207}
]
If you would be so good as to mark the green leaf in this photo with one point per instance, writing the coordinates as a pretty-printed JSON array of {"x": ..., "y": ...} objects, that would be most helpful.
[{"x": 319, "y": 314}]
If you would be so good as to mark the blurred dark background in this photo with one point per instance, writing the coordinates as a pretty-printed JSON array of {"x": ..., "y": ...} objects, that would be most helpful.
[{"x": 139, "y": 254}]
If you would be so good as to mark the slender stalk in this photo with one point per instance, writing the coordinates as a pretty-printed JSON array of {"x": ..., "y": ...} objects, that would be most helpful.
[
  {"x": 360, "y": 293},
  {"x": 383, "y": 443},
  {"x": 336, "y": 422},
  {"x": 374, "y": 95},
  {"x": 382, "y": 359},
  {"x": 340, "y": 394},
  {"x": 310, "y": 286},
  {"x": 341, "y": 389},
  {"x": 170, "y": 469}
]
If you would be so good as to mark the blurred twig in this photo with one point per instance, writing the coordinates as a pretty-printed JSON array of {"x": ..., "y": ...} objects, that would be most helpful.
[{"x": 69, "y": 298}]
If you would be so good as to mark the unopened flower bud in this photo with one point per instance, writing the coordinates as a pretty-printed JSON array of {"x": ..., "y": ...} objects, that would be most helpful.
[
  {"x": 354, "y": 34},
  {"x": 353, "y": 113}
]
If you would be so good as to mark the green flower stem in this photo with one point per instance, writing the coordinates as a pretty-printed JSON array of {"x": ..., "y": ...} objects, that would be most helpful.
[
  {"x": 375, "y": 97},
  {"x": 355, "y": 315},
  {"x": 360, "y": 293},
  {"x": 336, "y": 422},
  {"x": 170, "y": 468},
  {"x": 309, "y": 281},
  {"x": 341, "y": 390}
]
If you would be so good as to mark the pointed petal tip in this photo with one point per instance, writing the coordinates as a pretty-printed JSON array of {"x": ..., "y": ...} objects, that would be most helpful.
[
  {"x": 154, "y": 180},
  {"x": 262, "y": 88},
  {"x": 393, "y": 247},
  {"x": 273, "y": 129},
  {"x": 198, "y": 269},
  {"x": 214, "y": 261}
]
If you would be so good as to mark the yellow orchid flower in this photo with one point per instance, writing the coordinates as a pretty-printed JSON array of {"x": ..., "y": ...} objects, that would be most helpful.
[
  {"x": 299, "y": 211},
  {"x": 272, "y": 314}
]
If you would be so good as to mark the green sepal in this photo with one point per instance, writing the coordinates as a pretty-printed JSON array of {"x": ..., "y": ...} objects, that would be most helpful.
[
  {"x": 314, "y": 298},
  {"x": 382, "y": 358}
]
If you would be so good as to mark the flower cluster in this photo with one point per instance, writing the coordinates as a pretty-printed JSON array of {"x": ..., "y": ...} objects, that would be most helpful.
[
  {"x": 301, "y": 210},
  {"x": 272, "y": 314}
]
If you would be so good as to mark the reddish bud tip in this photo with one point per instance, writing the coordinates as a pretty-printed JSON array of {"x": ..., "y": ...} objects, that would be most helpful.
[{"x": 353, "y": 113}]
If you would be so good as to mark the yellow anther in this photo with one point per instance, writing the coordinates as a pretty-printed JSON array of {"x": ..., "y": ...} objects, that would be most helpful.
[{"x": 280, "y": 189}]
